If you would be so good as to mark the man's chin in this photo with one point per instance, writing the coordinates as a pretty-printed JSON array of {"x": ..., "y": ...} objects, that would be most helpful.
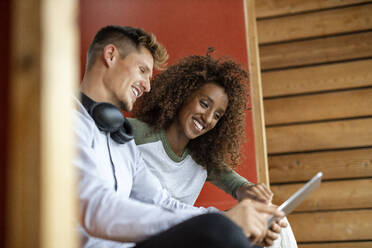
[{"x": 126, "y": 107}]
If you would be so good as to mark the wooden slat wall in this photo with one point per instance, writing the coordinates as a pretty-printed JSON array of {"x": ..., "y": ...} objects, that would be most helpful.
[
  {"x": 272, "y": 8},
  {"x": 314, "y": 24},
  {"x": 316, "y": 51},
  {"x": 316, "y": 64},
  {"x": 321, "y": 78}
]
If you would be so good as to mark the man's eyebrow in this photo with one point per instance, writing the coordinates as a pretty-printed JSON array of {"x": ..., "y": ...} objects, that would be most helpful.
[{"x": 147, "y": 68}]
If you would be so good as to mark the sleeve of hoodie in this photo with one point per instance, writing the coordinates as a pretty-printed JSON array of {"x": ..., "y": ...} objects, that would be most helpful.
[{"x": 228, "y": 181}]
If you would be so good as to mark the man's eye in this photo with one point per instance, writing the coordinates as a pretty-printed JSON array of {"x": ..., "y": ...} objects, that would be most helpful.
[{"x": 142, "y": 69}]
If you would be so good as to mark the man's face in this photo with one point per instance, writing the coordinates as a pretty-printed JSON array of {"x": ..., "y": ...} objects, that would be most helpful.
[{"x": 128, "y": 78}]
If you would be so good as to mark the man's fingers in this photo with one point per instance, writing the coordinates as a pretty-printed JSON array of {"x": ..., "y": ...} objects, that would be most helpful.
[
  {"x": 271, "y": 236},
  {"x": 268, "y": 209},
  {"x": 268, "y": 242},
  {"x": 282, "y": 223},
  {"x": 275, "y": 228},
  {"x": 259, "y": 229}
]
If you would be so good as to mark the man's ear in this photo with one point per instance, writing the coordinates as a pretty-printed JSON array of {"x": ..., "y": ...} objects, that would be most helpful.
[{"x": 110, "y": 52}]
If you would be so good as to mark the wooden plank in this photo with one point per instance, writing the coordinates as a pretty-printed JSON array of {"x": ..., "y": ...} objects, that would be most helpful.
[
  {"x": 5, "y": 27},
  {"x": 334, "y": 195},
  {"x": 41, "y": 196},
  {"x": 23, "y": 185},
  {"x": 354, "y": 163},
  {"x": 319, "y": 136},
  {"x": 322, "y": 50},
  {"x": 362, "y": 244},
  {"x": 332, "y": 226},
  {"x": 317, "y": 78},
  {"x": 256, "y": 93},
  {"x": 60, "y": 78},
  {"x": 334, "y": 105},
  {"x": 315, "y": 24},
  {"x": 269, "y": 8}
]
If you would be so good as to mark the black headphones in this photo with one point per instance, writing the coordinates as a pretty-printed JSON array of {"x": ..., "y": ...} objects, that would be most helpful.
[{"x": 109, "y": 118}]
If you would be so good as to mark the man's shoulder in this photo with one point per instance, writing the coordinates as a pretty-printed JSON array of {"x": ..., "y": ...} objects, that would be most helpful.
[{"x": 84, "y": 124}]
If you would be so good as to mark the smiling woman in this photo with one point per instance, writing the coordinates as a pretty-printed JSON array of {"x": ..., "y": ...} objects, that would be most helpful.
[
  {"x": 198, "y": 115},
  {"x": 191, "y": 122},
  {"x": 200, "y": 103},
  {"x": 190, "y": 127}
]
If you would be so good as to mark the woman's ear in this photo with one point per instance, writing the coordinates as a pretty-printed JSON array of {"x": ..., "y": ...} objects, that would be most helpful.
[{"x": 109, "y": 55}]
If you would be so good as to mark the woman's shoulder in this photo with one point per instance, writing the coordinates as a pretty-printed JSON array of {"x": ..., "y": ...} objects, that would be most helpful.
[{"x": 143, "y": 133}]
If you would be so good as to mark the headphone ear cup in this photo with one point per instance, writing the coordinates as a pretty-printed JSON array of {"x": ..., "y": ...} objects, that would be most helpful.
[
  {"x": 124, "y": 134},
  {"x": 108, "y": 118}
]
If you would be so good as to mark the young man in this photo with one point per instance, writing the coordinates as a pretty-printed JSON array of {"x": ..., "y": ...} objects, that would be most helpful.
[{"x": 120, "y": 200}]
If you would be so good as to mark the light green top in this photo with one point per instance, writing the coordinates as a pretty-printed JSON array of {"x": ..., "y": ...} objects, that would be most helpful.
[{"x": 227, "y": 181}]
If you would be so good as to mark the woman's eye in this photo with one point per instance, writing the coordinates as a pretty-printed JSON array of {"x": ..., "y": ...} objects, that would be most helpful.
[
  {"x": 142, "y": 69},
  {"x": 204, "y": 104},
  {"x": 217, "y": 116}
]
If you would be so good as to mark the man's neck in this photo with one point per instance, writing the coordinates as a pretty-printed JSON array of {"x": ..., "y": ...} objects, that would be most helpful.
[{"x": 93, "y": 86}]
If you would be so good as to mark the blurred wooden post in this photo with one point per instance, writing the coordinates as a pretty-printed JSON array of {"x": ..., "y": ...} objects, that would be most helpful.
[
  {"x": 256, "y": 93},
  {"x": 44, "y": 65}
]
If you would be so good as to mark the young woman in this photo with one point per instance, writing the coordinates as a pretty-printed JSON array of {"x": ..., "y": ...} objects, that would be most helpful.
[{"x": 191, "y": 125}]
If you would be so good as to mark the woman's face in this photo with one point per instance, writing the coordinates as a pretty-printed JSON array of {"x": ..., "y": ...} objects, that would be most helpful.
[{"x": 201, "y": 112}]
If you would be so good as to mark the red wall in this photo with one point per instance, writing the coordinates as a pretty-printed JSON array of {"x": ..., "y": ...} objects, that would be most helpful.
[{"x": 185, "y": 28}]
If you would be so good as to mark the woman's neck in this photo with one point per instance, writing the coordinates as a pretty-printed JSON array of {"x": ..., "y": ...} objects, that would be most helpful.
[{"x": 177, "y": 139}]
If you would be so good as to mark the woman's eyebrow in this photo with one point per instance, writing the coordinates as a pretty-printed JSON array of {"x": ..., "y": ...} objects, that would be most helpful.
[{"x": 208, "y": 97}]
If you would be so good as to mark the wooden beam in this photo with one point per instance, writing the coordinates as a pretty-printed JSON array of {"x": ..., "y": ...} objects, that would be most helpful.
[
  {"x": 355, "y": 163},
  {"x": 256, "y": 93},
  {"x": 5, "y": 27},
  {"x": 322, "y": 50},
  {"x": 361, "y": 244},
  {"x": 334, "y": 105},
  {"x": 60, "y": 77},
  {"x": 317, "y": 78},
  {"x": 319, "y": 136},
  {"x": 315, "y": 24},
  {"x": 335, "y": 195},
  {"x": 270, "y": 8},
  {"x": 24, "y": 187},
  {"x": 41, "y": 182},
  {"x": 332, "y": 226}
]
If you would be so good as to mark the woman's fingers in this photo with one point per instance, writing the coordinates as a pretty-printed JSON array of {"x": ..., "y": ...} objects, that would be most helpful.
[{"x": 257, "y": 192}]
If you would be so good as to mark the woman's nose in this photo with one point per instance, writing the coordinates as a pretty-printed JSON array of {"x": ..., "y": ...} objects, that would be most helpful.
[{"x": 208, "y": 117}]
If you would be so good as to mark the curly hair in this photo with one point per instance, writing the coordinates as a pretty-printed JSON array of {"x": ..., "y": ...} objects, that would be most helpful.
[{"x": 172, "y": 88}]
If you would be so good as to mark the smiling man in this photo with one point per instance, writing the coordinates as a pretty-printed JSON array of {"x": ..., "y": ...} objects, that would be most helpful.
[
  {"x": 122, "y": 204},
  {"x": 117, "y": 71}
]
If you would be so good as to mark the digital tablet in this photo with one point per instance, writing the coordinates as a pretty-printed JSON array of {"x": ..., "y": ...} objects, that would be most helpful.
[{"x": 293, "y": 201}]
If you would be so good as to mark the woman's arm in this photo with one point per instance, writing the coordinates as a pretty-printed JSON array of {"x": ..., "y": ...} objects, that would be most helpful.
[{"x": 239, "y": 187}]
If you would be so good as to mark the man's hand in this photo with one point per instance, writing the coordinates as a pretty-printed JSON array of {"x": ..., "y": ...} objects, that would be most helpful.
[
  {"x": 273, "y": 233},
  {"x": 252, "y": 217},
  {"x": 258, "y": 192}
]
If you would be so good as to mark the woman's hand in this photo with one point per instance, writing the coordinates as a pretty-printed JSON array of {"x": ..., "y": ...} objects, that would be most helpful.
[{"x": 258, "y": 192}]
